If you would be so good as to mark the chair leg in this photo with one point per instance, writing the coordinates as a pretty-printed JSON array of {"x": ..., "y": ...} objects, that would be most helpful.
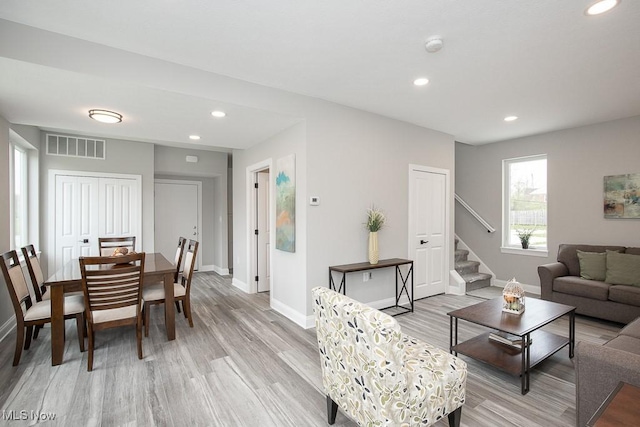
[
  {"x": 146, "y": 309},
  {"x": 454, "y": 417},
  {"x": 80, "y": 330},
  {"x": 139, "y": 336},
  {"x": 36, "y": 331},
  {"x": 332, "y": 410},
  {"x": 27, "y": 343},
  {"x": 91, "y": 344},
  {"x": 19, "y": 343},
  {"x": 177, "y": 306},
  {"x": 186, "y": 306}
]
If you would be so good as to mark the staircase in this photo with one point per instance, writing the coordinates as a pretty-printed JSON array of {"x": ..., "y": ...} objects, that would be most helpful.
[{"x": 468, "y": 270}]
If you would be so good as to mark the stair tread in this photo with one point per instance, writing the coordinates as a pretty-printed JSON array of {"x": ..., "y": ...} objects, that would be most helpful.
[
  {"x": 467, "y": 263},
  {"x": 474, "y": 277}
]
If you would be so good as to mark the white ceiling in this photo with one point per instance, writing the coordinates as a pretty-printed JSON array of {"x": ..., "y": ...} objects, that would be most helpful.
[{"x": 543, "y": 60}]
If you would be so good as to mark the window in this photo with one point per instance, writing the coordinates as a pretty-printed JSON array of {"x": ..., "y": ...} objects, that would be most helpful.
[
  {"x": 19, "y": 197},
  {"x": 525, "y": 204}
]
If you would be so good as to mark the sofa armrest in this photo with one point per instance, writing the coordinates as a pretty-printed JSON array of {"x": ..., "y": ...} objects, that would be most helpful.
[
  {"x": 598, "y": 370},
  {"x": 547, "y": 273}
]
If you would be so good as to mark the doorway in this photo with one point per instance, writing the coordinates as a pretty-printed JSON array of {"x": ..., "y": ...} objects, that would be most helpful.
[
  {"x": 177, "y": 207},
  {"x": 262, "y": 232},
  {"x": 429, "y": 229}
]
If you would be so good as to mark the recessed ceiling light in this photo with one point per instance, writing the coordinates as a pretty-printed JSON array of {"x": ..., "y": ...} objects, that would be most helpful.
[
  {"x": 510, "y": 118},
  {"x": 218, "y": 113},
  {"x": 105, "y": 116},
  {"x": 421, "y": 81},
  {"x": 602, "y": 6},
  {"x": 194, "y": 137}
]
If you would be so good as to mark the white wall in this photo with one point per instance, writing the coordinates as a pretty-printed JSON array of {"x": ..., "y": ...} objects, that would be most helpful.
[{"x": 577, "y": 161}]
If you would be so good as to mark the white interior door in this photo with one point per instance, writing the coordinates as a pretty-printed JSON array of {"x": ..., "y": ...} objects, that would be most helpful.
[
  {"x": 87, "y": 206},
  {"x": 177, "y": 213},
  {"x": 76, "y": 218},
  {"x": 264, "y": 232},
  {"x": 428, "y": 231}
]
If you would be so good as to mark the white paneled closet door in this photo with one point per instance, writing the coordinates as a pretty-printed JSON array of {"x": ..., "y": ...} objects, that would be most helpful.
[{"x": 90, "y": 206}]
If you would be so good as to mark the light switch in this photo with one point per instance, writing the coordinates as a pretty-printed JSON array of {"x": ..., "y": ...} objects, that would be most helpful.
[{"x": 314, "y": 200}]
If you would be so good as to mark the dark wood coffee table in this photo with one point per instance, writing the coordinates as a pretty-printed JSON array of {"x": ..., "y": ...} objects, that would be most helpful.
[{"x": 541, "y": 344}]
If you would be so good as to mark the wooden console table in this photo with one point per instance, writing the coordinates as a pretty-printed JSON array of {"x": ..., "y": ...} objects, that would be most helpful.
[{"x": 383, "y": 263}]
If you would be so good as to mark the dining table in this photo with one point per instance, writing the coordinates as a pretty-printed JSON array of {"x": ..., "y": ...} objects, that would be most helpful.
[{"x": 69, "y": 279}]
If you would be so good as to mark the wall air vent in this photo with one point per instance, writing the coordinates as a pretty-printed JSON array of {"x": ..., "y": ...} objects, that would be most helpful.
[{"x": 72, "y": 146}]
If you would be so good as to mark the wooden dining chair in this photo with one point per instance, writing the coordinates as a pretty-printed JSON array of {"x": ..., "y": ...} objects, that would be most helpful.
[
  {"x": 108, "y": 245},
  {"x": 154, "y": 294},
  {"x": 34, "y": 313},
  {"x": 35, "y": 273},
  {"x": 178, "y": 258},
  {"x": 112, "y": 294}
]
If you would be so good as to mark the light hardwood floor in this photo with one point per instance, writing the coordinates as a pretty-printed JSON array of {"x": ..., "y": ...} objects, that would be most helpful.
[{"x": 243, "y": 364}]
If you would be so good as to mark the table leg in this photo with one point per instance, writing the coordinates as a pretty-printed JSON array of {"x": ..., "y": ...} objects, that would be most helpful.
[
  {"x": 57, "y": 324},
  {"x": 526, "y": 361},
  {"x": 169, "y": 307},
  {"x": 572, "y": 333}
]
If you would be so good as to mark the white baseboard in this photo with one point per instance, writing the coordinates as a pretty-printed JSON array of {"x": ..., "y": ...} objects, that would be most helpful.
[
  {"x": 221, "y": 271},
  {"x": 298, "y": 318},
  {"x": 8, "y": 326},
  {"x": 532, "y": 289},
  {"x": 457, "y": 285},
  {"x": 240, "y": 285},
  {"x": 204, "y": 268}
]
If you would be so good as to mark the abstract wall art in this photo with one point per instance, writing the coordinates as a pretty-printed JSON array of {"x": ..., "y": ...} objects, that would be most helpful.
[
  {"x": 286, "y": 203},
  {"x": 622, "y": 196}
]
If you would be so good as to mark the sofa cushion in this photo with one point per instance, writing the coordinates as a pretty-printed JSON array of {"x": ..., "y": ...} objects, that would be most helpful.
[
  {"x": 568, "y": 256},
  {"x": 625, "y": 294},
  {"x": 632, "y": 329},
  {"x": 623, "y": 269},
  {"x": 581, "y": 287},
  {"x": 593, "y": 265},
  {"x": 625, "y": 343}
]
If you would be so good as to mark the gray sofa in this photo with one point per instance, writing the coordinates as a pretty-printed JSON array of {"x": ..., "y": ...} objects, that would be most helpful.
[
  {"x": 599, "y": 368},
  {"x": 561, "y": 282}
]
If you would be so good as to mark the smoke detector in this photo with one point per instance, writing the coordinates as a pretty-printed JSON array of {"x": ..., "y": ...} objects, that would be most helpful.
[{"x": 434, "y": 44}]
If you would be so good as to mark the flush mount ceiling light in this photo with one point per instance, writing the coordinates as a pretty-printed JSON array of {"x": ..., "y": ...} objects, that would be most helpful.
[
  {"x": 218, "y": 113},
  {"x": 105, "y": 116},
  {"x": 421, "y": 81},
  {"x": 194, "y": 137},
  {"x": 510, "y": 118},
  {"x": 601, "y": 6}
]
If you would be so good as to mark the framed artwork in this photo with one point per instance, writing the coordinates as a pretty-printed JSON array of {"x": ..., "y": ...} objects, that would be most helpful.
[
  {"x": 622, "y": 196},
  {"x": 286, "y": 203}
]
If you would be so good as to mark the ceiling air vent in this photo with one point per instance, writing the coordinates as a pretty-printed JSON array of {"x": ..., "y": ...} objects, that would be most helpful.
[{"x": 72, "y": 146}]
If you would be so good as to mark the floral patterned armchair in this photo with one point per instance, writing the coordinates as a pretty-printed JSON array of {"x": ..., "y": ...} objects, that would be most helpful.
[{"x": 378, "y": 375}]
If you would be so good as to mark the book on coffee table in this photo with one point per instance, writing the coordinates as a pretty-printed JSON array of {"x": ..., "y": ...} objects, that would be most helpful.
[{"x": 505, "y": 338}]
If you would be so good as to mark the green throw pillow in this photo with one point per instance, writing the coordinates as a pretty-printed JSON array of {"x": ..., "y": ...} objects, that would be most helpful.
[
  {"x": 593, "y": 265},
  {"x": 623, "y": 269}
]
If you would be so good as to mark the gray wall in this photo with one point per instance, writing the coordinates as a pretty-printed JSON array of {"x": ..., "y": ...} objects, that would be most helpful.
[
  {"x": 577, "y": 161},
  {"x": 6, "y": 308},
  {"x": 350, "y": 159},
  {"x": 211, "y": 169},
  {"x": 125, "y": 157}
]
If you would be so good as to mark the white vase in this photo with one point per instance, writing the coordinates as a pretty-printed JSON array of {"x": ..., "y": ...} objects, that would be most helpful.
[{"x": 373, "y": 247}]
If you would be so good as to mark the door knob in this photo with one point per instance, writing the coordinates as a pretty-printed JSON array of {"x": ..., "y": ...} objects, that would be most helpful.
[
  {"x": 84, "y": 241},
  {"x": 422, "y": 242}
]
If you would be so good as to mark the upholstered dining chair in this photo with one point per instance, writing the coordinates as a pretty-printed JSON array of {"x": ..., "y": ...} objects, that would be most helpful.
[
  {"x": 35, "y": 273},
  {"x": 178, "y": 258},
  {"x": 107, "y": 245},
  {"x": 154, "y": 294},
  {"x": 378, "y": 375},
  {"x": 112, "y": 294},
  {"x": 34, "y": 313}
]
